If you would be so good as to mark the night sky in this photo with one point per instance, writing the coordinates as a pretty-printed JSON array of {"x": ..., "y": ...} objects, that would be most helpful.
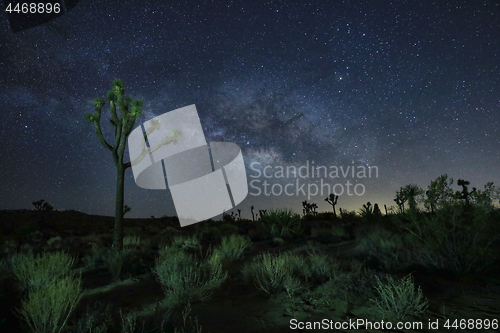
[{"x": 411, "y": 87}]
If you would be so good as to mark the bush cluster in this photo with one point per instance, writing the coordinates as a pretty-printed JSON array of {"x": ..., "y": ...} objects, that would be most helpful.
[
  {"x": 184, "y": 278},
  {"x": 53, "y": 291}
]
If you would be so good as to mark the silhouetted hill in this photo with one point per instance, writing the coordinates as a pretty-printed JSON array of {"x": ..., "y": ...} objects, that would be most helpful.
[{"x": 18, "y": 223}]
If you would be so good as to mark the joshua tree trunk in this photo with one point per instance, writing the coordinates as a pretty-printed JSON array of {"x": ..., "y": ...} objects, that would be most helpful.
[{"x": 118, "y": 229}]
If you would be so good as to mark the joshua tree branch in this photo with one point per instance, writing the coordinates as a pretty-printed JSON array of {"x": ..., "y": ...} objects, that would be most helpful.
[
  {"x": 98, "y": 131},
  {"x": 112, "y": 110}
]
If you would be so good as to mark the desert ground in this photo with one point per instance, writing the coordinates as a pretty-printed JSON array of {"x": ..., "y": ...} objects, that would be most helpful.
[{"x": 332, "y": 269}]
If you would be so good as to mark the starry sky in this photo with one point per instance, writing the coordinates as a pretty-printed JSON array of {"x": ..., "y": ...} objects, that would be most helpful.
[{"x": 411, "y": 87}]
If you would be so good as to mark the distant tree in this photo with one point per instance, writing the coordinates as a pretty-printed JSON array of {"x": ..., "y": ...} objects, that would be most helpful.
[
  {"x": 309, "y": 209},
  {"x": 41, "y": 205},
  {"x": 464, "y": 194},
  {"x": 486, "y": 196},
  {"x": 400, "y": 200},
  {"x": 438, "y": 192},
  {"x": 367, "y": 211},
  {"x": 412, "y": 192},
  {"x": 332, "y": 200},
  {"x": 408, "y": 193},
  {"x": 129, "y": 110},
  {"x": 126, "y": 209}
]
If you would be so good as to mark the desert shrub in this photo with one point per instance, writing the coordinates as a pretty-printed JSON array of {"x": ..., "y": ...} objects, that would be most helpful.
[
  {"x": 131, "y": 323},
  {"x": 26, "y": 248},
  {"x": 9, "y": 247},
  {"x": 188, "y": 325},
  {"x": 186, "y": 279},
  {"x": 268, "y": 272},
  {"x": 228, "y": 229},
  {"x": 47, "y": 309},
  {"x": 322, "y": 268},
  {"x": 132, "y": 241},
  {"x": 390, "y": 250},
  {"x": 276, "y": 273},
  {"x": 282, "y": 221},
  {"x": 119, "y": 262},
  {"x": 55, "y": 242},
  {"x": 348, "y": 216},
  {"x": 187, "y": 243},
  {"x": 111, "y": 259},
  {"x": 325, "y": 216},
  {"x": 135, "y": 243},
  {"x": 430, "y": 229},
  {"x": 323, "y": 295},
  {"x": 370, "y": 213},
  {"x": 232, "y": 247},
  {"x": 211, "y": 231},
  {"x": 128, "y": 322},
  {"x": 95, "y": 320},
  {"x": 459, "y": 255},
  {"x": 452, "y": 239},
  {"x": 397, "y": 299},
  {"x": 166, "y": 251},
  {"x": 339, "y": 231},
  {"x": 299, "y": 266},
  {"x": 94, "y": 238},
  {"x": 230, "y": 218},
  {"x": 129, "y": 260},
  {"x": 34, "y": 272},
  {"x": 137, "y": 263},
  {"x": 354, "y": 285},
  {"x": 96, "y": 258}
]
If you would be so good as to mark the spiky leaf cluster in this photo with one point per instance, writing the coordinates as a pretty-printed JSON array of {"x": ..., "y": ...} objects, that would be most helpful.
[
  {"x": 111, "y": 96},
  {"x": 129, "y": 109}
]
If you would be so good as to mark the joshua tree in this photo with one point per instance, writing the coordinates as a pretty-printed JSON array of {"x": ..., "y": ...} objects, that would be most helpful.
[
  {"x": 400, "y": 200},
  {"x": 465, "y": 194},
  {"x": 42, "y": 205},
  {"x": 123, "y": 126},
  {"x": 332, "y": 200},
  {"x": 309, "y": 208}
]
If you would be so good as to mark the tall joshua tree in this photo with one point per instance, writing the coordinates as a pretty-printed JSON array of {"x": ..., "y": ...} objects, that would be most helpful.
[{"x": 129, "y": 110}]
